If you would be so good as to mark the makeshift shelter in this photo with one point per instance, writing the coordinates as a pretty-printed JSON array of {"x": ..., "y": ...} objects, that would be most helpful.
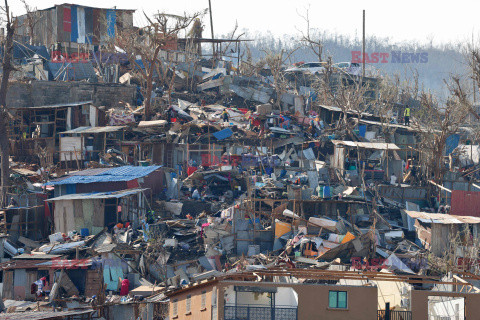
[
  {"x": 436, "y": 231},
  {"x": 377, "y": 165},
  {"x": 95, "y": 211}
]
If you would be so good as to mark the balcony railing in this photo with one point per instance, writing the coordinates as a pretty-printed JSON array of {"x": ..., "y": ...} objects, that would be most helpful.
[
  {"x": 394, "y": 315},
  {"x": 253, "y": 312}
]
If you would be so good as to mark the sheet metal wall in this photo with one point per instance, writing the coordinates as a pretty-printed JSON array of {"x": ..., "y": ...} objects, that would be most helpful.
[
  {"x": 465, "y": 203},
  {"x": 76, "y": 24}
]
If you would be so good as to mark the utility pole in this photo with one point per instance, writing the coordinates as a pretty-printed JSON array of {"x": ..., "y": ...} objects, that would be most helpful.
[
  {"x": 211, "y": 27},
  {"x": 363, "y": 47}
]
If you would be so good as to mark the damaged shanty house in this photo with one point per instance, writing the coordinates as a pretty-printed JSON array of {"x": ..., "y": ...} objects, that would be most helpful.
[
  {"x": 443, "y": 233},
  {"x": 26, "y": 269},
  {"x": 82, "y": 145},
  {"x": 93, "y": 199},
  {"x": 37, "y": 128},
  {"x": 68, "y": 30},
  {"x": 37, "y": 123},
  {"x": 377, "y": 160}
]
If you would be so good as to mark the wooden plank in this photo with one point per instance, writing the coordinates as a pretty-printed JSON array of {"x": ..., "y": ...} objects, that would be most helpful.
[
  {"x": 8, "y": 285},
  {"x": 29, "y": 243}
]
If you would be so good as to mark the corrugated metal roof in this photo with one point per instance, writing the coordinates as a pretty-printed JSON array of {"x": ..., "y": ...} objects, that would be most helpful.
[
  {"x": 367, "y": 145},
  {"x": 124, "y": 173},
  {"x": 90, "y": 172},
  {"x": 71, "y": 70},
  {"x": 61, "y": 105},
  {"x": 30, "y": 256},
  {"x": 43, "y": 315},
  {"x": 442, "y": 218},
  {"x": 22, "y": 264},
  {"x": 65, "y": 263},
  {"x": 97, "y": 195},
  {"x": 87, "y": 130}
]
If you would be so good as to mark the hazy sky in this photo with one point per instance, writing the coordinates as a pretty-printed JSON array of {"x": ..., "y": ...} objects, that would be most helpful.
[{"x": 398, "y": 20}]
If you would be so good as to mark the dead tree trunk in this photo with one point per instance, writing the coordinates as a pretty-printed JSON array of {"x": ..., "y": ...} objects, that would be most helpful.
[{"x": 4, "y": 141}]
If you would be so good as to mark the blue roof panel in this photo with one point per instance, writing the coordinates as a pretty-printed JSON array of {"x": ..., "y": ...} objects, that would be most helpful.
[
  {"x": 223, "y": 134},
  {"x": 124, "y": 173}
]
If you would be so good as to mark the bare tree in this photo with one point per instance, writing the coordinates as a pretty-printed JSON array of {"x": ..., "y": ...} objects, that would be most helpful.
[
  {"x": 146, "y": 44},
  {"x": 437, "y": 123},
  {"x": 4, "y": 115},
  {"x": 276, "y": 62},
  {"x": 31, "y": 18},
  {"x": 343, "y": 91},
  {"x": 314, "y": 43},
  {"x": 232, "y": 36}
]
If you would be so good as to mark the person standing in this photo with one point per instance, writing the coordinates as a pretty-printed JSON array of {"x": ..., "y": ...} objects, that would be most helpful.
[
  {"x": 225, "y": 115},
  {"x": 124, "y": 286},
  {"x": 406, "y": 115}
]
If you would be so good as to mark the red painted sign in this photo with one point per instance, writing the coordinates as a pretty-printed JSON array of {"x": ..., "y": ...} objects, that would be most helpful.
[
  {"x": 58, "y": 56},
  {"x": 370, "y": 264}
]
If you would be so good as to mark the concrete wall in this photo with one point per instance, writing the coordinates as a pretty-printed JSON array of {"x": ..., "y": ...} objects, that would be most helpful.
[
  {"x": 196, "y": 310},
  {"x": 391, "y": 291},
  {"x": 313, "y": 300},
  {"x": 41, "y": 93},
  {"x": 419, "y": 303}
]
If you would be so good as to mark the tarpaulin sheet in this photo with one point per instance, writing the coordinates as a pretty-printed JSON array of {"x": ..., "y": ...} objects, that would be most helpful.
[
  {"x": 74, "y": 25},
  {"x": 111, "y": 20},
  {"x": 223, "y": 134},
  {"x": 362, "y": 130},
  {"x": 452, "y": 143}
]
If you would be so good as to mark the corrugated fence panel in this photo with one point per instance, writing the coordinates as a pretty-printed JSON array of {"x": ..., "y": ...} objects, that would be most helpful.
[
  {"x": 465, "y": 203},
  {"x": 67, "y": 19},
  {"x": 89, "y": 25},
  {"x": 74, "y": 24},
  {"x": 81, "y": 24}
]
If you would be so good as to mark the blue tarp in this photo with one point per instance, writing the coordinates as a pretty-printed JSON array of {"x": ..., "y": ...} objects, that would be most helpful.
[
  {"x": 452, "y": 143},
  {"x": 362, "y": 130},
  {"x": 74, "y": 24},
  {"x": 24, "y": 52},
  {"x": 223, "y": 134},
  {"x": 111, "y": 20},
  {"x": 70, "y": 71}
]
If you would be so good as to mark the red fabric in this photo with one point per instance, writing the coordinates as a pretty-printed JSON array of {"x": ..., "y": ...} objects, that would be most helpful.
[
  {"x": 132, "y": 184},
  {"x": 67, "y": 20},
  {"x": 125, "y": 287},
  {"x": 191, "y": 170}
]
